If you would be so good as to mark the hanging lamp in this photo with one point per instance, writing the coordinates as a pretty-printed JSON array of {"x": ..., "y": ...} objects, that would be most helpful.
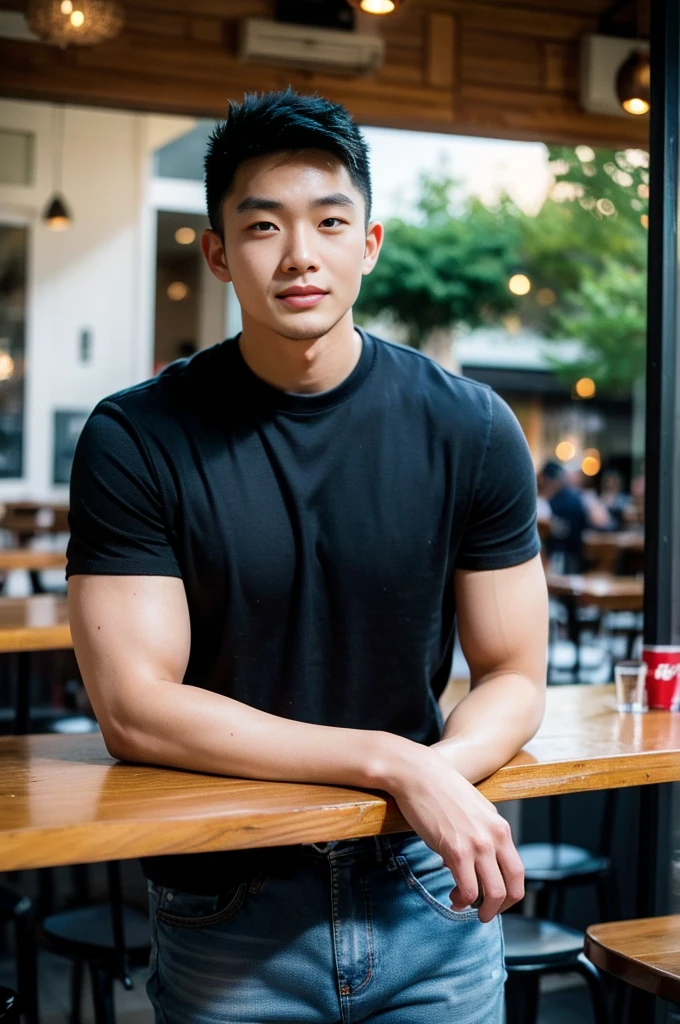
[
  {"x": 75, "y": 22},
  {"x": 379, "y": 7},
  {"x": 56, "y": 215},
  {"x": 632, "y": 83}
]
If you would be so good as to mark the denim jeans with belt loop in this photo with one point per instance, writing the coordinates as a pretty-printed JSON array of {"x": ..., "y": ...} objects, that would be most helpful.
[{"x": 339, "y": 932}]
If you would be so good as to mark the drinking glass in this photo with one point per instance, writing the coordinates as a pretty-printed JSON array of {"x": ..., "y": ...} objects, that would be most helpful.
[{"x": 631, "y": 691}]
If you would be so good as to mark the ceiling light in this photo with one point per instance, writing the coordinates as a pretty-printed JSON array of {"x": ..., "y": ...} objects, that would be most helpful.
[
  {"x": 375, "y": 6},
  {"x": 632, "y": 83},
  {"x": 63, "y": 23}
]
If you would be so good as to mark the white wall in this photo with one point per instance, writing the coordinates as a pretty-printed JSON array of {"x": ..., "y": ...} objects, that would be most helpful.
[{"x": 98, "y": 275}]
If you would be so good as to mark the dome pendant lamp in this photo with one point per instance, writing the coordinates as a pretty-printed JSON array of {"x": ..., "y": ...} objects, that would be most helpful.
[{"x": 56, "y": 215}]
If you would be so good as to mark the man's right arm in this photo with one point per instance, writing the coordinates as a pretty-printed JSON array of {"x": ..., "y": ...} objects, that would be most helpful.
[{"x": 132, "y": 637}]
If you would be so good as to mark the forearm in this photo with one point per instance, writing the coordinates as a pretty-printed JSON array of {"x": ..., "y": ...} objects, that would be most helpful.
[
  {"x": 188, "y": 727},
  {"x": 491, "y": 724}
]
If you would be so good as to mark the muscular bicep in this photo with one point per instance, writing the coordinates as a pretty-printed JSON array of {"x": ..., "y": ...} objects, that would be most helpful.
[
  {"x": 502, "y": 617},
  {"x": 129, "y": 632}
]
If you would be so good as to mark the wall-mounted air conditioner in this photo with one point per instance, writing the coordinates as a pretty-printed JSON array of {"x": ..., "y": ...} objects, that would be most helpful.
[{"x": 315, "y": 49}]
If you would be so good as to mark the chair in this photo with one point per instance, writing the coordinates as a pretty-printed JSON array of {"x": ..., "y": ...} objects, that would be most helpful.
[
  {"x": 534, "y": 948},
  {"x": 108, "y": 939},
  {"x": 9, "y": 1007},
  {"x": 18, "y": 910},
  {"x": 552, "y": 867}
]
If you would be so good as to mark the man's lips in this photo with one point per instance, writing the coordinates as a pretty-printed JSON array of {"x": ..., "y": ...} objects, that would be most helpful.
[{"x": 301, "y": 298}]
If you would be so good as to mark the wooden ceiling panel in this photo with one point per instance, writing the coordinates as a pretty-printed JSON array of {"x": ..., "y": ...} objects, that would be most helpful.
[{"x": 507, "y": 68}]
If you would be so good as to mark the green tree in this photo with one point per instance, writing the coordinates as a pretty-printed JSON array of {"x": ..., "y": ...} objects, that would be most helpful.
[{"x": 444, "y": 268}]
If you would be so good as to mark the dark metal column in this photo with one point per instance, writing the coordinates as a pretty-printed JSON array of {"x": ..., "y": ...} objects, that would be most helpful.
[{"x": 662, "y": 460}]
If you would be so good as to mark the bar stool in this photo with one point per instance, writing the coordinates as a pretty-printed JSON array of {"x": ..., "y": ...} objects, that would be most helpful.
[
  {"x": 18, "y": 909},
  {"x": 552, "y": 867},
  {"x": 534, "y": 948},
  {"x": 9, "y": 1007},
  {"x": 108, "y": 938}
]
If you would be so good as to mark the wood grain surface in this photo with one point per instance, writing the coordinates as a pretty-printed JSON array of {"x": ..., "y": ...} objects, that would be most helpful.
[
  {"x": 644, "y": 953},
  {"x": 63, "y": 800},
  {"x": 38, "y": 623}
]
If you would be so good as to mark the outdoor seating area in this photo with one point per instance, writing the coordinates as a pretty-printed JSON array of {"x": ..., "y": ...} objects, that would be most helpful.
[{"x": 339, "y": 512}]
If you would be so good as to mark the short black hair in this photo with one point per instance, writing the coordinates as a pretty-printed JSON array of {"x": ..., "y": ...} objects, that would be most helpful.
[{"x": 274, "y": 122}]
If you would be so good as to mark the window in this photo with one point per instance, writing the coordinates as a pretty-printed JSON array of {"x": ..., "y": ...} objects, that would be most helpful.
[{"x": 13, "y": 260}]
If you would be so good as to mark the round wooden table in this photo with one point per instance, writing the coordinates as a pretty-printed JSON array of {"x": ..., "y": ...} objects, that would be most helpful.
[{"x": 644, "y": 953}]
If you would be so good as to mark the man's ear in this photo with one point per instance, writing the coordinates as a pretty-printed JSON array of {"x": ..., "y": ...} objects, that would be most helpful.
[
  {"x": 212, "y": 248},
  {"x": 374, "y": 240}
]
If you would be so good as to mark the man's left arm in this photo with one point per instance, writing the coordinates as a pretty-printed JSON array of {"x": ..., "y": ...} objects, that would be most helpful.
[{"x": 502, "y": 617}]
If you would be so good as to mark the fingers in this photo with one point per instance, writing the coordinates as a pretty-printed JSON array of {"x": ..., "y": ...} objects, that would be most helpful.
[
  {"x": 467, "y": 885},
  {"x": 512, "y": 869},
  {"x": 492, "y": 887}
]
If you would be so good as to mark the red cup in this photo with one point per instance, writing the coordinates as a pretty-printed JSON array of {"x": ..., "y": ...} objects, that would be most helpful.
[{"x": 663, "y": 675}]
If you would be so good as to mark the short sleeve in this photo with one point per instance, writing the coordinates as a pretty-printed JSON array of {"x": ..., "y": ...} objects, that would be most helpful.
[
  {"x": 501, "y": 529},
  {"x": 116, "y": 516}
]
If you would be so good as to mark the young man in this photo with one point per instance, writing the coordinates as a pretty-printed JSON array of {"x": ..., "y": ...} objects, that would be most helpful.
[{"x": 287, "y": 523}]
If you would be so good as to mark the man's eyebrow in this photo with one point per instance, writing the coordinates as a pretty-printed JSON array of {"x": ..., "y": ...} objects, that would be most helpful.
[{"x": 253, "y": 203}]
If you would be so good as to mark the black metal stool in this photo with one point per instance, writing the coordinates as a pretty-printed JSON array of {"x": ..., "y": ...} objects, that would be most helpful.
[
  {"x": 18, "y": 910},
  {"x": 552, "y": 867},
  {"x": 108, "y": 938},
  {"x": 534, "y": 948},
  {"x": 9, "y": 1007}
]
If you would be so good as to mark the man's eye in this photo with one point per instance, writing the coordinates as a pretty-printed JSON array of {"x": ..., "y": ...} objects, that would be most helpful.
[
  {"x": 331, "y": 222},
  {"x": 262, "y": 225}
]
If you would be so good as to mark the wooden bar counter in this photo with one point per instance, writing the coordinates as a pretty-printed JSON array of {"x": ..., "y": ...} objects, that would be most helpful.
[
  {"x": 63, "y": 800},
  {"x": 38, "y": 623}
]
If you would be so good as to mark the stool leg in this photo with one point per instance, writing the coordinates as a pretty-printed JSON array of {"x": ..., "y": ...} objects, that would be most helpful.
[
  {"x": 591, "y": 974},
  {"x": 76, "y": 992},
  {"x": 27, "y": 968},
  {"x": 102, "y": 995},
  {"x": 521, "y": 998}
]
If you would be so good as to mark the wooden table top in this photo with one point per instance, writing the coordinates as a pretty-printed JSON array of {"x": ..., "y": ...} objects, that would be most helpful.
[
  {"x": 644, "y": 953},
  {"x": 30, "y": 559},
  {"x": 630, "y": 540},
  {"x": 63, "y": 800},
  {"x": 613, "y": 593},
  {"x": 38, "y": 623}
]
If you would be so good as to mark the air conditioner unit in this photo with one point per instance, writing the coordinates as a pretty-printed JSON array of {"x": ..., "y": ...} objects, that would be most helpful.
[{"x": 315, "y": 49}]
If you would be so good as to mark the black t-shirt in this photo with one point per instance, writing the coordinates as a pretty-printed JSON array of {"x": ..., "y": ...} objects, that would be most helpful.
[{"x": 316, "y": 535}]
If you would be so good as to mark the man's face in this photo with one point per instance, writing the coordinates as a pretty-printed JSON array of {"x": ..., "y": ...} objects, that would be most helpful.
[{"x": 295, "y": 242}]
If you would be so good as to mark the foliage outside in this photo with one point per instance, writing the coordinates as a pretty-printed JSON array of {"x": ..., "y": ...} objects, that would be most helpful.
[{"x": 584, "y": 252}]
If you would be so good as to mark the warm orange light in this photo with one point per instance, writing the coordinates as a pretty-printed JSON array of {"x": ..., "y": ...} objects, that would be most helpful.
[
  {"x": 636, "y": 106},
  {"x": 375, "y": 6},
  {"x": 6, "y": 366},
  {"x": 77, "y": 19},
  {"x": 585, "y": 387},
  {"x": 66, "y": 6},
  {"x": 565, "y": 451},
  {"x": 185, "y": 236},
  {"x": 591, "y": 462},
  {"x": 519, "y": 284},
  {"x": 644, "y": 220},
  {"x": 177, "y": 291}
]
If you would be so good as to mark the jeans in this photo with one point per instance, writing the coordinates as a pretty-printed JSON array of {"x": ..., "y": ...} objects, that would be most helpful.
[{"x": 355, "y": 930}]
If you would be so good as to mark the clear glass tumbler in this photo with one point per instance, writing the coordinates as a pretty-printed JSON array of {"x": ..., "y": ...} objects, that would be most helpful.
[{"x": 631, "y": 691}]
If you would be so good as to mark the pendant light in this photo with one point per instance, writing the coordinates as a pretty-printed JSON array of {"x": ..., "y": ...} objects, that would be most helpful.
[
  {"x": 79, "y": 23},
  {"x": 632, "y": 83},
  {"x": 376, "y": 6},
  {"x": 56, "y": 214}
]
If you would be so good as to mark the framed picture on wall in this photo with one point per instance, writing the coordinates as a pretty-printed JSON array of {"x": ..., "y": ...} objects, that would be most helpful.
[{"x": 67, "y": 426}]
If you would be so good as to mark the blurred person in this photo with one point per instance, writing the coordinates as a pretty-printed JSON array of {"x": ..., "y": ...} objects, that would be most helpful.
[
  {"x": 614, "y": 497},
  {"x": 289, "y": 523},
  {"x": 570, "y": 517},
  {"x": 634, "y": 513}
]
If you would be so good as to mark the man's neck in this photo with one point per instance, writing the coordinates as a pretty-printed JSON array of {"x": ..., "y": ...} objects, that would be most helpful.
[{"x": 301, "y": 367}]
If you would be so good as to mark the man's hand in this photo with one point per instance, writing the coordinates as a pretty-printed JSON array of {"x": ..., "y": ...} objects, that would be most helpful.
[{"x": 465, "y": 829}]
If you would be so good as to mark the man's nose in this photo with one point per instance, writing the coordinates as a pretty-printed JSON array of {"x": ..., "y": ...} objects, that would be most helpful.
[{"x": 300, "y": 255}]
